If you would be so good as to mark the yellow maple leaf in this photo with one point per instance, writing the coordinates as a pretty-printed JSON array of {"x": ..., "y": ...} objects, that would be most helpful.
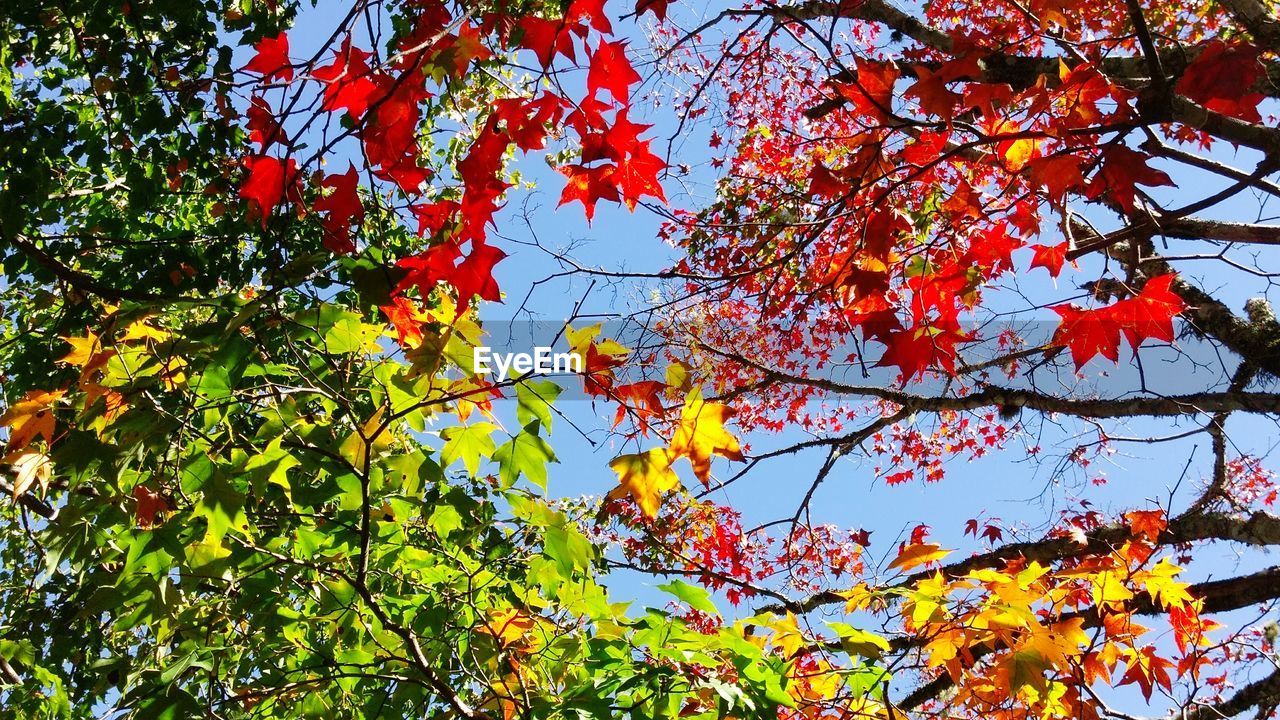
[
  {"x": 1160, "y": 583},
  {"x": 945, "y": 646},
  {"x": 1058, "y": 643},
  {"x": 1109, "y": 590},
  {"x": 988, "y": 575},
  {"x": 508, "y": 626},
  {"x": 787, "y": 635},
  {"x": 701, "y": 434},
  {"x": 582, "y": 340},
  {"x": 84, "y": 351},
  {"x": 927, "y": 600},
  {"x": 1018, "y": 152},
  {"x": 916, "y": 555},
  {"x": 645, "y": 477},
  {"x": 140, "y": 330},
  {"x": 677, "y": 375},
  {"x": 858, "y": 597},
  {"x": 30, "y": 417},
  {"x": 373, "y": 435}
]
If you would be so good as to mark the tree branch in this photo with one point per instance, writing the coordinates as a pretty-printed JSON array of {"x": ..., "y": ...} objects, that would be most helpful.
[
  {"x": 1258, "y": 529},
  {"x": 1257, "y": 19},
  {"x": 1264, "y": 694},
  {"x": 992, "y": 395},
  {"x": 79, "y": 280},
  {"x": 29, "y": 501},
  {"x": 1221, "y": 230}
]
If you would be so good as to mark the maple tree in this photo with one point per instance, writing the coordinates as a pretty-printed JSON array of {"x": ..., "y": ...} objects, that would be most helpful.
[
  {"x": 932, "y": 231},
  {"x": 253, "y": 472}
]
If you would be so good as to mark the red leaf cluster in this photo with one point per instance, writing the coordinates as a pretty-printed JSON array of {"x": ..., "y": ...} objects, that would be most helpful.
[{"x": 1145, "y": 316}]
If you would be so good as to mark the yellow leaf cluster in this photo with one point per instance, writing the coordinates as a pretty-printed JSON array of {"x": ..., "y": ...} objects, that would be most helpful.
[{"x": 699, "y": 435}]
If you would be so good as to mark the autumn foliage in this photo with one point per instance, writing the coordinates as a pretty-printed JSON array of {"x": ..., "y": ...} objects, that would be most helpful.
[{"x": 253, "y": 469}]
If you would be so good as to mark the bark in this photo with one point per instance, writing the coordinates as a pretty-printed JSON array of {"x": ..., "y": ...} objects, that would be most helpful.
[{"x": 1259, "y": 529}]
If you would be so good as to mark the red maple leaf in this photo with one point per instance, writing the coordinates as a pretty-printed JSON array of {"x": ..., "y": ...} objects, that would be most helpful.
[
  {"x": 268, "y": 180},
  {"x": 587, "y": 185},
  {"x": 479, "y": 203},
  {"x": 597, "y": 372},
  {"x": 263, "y": 127},
  {"x": 1122, "y": 169},
  {"x": 611, "y": 70},
  {"x": 482, "y": 185},
  {"x": 1146, "y": 316},
  {"x": 1148, "y": 670},
  {"x": 992, "y": 533},
  {"x": 424, "y": 40},
  {"x": 1081, "y": 92},
  {"x": 987, "y": 97},
  {"x": 915, "y": 350},
  {"x": 391, "y": 138},
  {"x": 1057, "y": 174},
  {"x": 1222, "y": 78},
  {"x": 464, "y": 48},
  {"x": 593, "y": 12},
  {"x": 1149, "y": 315},
  {"x": 348, "y": 82},
  {"x": 546, "y": 38},
  {"x": 148, "y": 504},
  {"x": 1087, "y": 333},
  {"x": 470, "y": 278},
  {"x": 926, "y": 148},
  {"x": 483, "y": 160},
  {"x": 637, "y": 176},
  {"x": 824, "y": 184},
  {"x": 474, "y": 275},
  {"x": 1049, "y": 257},
  {"x": 657, "y": 7},
  {"x": 993, "y": 249},
  {"x": 525, "y": 121},
  {"x": 588, "y": 116},
  {"x": 433, "y": 216},
  {"x": 621, "y": 138},
  {"x": 898, "y": 478},
  {"x": 872, "y": 90},
  {"x": 426, "y": 269},
  {"x": 919, "y": 534},
  {"x": 272, "y": 58},
  {"x": 406, "y": 318},
  {"x": 932, "y": 92},
  {"x": 343, "y": 207},
  {"x": 641, "y": 399}
]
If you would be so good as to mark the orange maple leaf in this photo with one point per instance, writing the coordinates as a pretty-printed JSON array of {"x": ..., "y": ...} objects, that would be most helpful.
[
  {"x": 914, "y": 556},
  {"x": 30, "y": 417}
]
